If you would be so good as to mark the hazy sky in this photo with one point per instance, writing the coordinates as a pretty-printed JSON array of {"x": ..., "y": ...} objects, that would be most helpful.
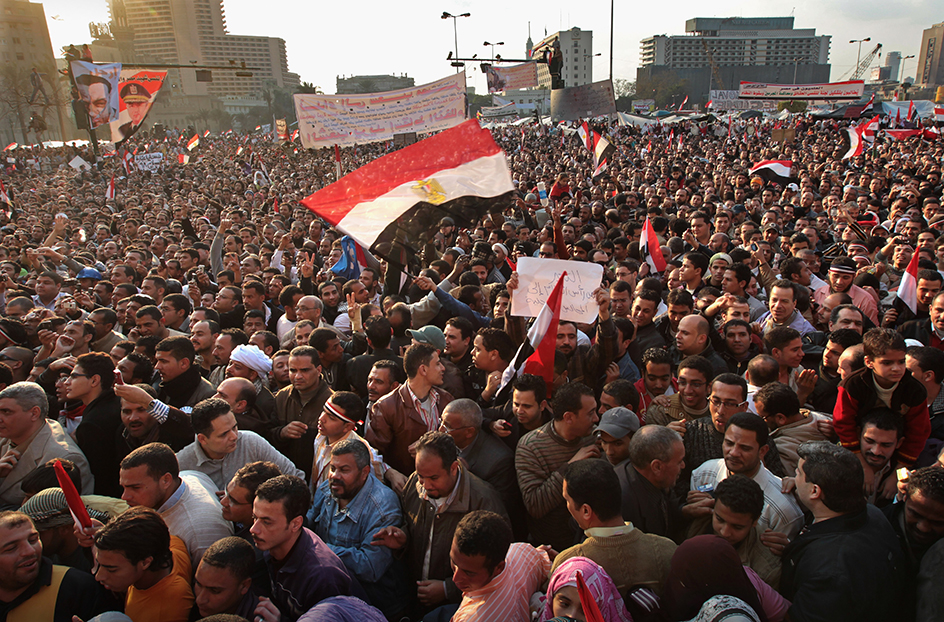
[{"x": 327, "y": 39}]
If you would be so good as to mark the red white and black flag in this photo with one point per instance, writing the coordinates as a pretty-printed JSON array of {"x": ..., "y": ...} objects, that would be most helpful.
[
  {"x": 774, "y": 171},
  {"x": 110, "y": 191},
  {"x": 649, "y": 248},
  {"x": 870, "y": 106},
  {"x": 536, "y": 355},
  {"x": 395, "y": 202},
  {"x": 601, "y": 148},
  {"x": 856, "y": 144},
  {"x": 908, "y": 286}
]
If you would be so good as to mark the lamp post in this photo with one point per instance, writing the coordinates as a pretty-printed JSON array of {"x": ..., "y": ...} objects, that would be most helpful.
[
  {"x": 455, "y": 32},
  {"x": 901, "y": 74},
  {"x": 859, "y": 53},
  {"x": 796, "y": 65},
  {"x": 493, "y": 47}
]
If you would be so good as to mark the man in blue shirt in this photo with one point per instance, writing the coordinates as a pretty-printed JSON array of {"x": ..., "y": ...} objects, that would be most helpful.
[{"x": 348, "y": 509}]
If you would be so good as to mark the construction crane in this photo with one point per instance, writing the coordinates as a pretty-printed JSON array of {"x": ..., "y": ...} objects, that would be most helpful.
[
  {"x": 863, "y": 66},
  {"x": 714, "y": 66}
]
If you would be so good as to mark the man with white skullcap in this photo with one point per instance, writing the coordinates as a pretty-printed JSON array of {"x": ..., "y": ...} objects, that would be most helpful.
[{"x": 249, "y": 362}]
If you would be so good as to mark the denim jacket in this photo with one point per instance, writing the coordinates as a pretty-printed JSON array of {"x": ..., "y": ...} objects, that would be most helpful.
[{"x": 349, "y": 532}]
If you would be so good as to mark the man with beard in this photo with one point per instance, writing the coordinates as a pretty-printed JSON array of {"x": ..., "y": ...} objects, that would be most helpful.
[
  {"x": 348, "y": 508},
  {"x": 32, "y": 588},
  {"x": 881, "y": 435},
  {"x": 919, "y": 523}
]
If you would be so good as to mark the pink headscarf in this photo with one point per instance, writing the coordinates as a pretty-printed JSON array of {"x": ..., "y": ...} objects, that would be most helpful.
[{"x": 598, "y": 582}]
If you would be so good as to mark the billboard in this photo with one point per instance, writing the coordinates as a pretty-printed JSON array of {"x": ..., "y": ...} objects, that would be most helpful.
[
  {"x": 730, "y": 100},
  {"x": 136, "y": 93},
  {"x": 325, "y": 120},
  {"x": 97, "y": 85},
  {"x": 582, "y": 102},
  {"x": 523, "y": 76}
]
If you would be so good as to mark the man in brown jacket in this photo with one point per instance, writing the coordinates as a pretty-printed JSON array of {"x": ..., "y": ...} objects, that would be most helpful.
[
  {"x": 298, "y": 407},
  {"x": 400, "y": 418},
  {"x": 436, "y": 497}
]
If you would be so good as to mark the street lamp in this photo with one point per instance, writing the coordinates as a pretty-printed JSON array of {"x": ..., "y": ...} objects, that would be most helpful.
[
  {"x": 901, "y": 74},
  {"x": 796, "y": 65},
  {"x": 457, "y": 63},
  {"x": 493, "y": 47},
  {"x": 859, "y": 53}
]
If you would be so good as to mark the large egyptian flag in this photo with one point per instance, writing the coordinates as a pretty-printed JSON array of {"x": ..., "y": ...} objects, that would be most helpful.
[
  {"x": 908, "y": 286},
  {"x": 774, "y": 171},
  {"x": 395, "y": 202}
]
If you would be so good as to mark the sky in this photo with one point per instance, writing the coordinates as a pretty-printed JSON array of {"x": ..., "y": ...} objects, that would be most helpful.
[{"x": 325, "y": 40}]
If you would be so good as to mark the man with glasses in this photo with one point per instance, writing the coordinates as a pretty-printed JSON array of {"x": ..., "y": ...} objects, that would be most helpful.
[
  {"x": 91, "y": 382},
  {"x": 484, "y": 454},
  {"x": 744, "y": 446},
  {"x": 704, "y": 437}
]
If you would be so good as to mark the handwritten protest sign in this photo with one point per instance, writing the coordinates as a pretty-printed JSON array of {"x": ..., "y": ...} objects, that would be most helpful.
[
  {"x": 536, "y": 279},
  {"x": 79, "y": 164},
  {"x": 149, "y": 161}
]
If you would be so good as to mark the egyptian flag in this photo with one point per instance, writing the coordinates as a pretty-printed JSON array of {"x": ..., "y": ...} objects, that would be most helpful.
[
  {"x": 708, "y": 105},
  {"x": 110, "y": 191},
  {"x": 908, "y": 288},
  {"x": 774, "y": 171},
  {"x": 870, "y": 129},
  {"x": 10, "y": 146},
  {"x": 4, "y": 197},
  {"x": 684, "y": 101},
  {"x": 939, "y": 114},
  {"x": 856, "y": 144},
  {"x": 869, "y": 107},
  {"x": 206, "y": 133},
  {"x": 897, "y": 117},
  {"x": 183, "y": 158},
  {"x": 193, "y": 142},
  {"x": 294, "y": 135},
  {"x": 649, "y": 248},
  {"x": 599, "y": 170},
  {"x": 536, "y": 355},
  {"x": 394, "y": 203},
  {"x": 601, "y": 148},
  {"x": 912, "y": 112}
]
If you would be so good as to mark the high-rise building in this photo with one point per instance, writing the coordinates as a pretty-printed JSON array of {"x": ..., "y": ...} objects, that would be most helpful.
[
  {"x": 930, "y": 70},
  {"x": 179, "y": 32},
  {"x": 888, "y": 71},
  {"x": 577, "y": 49},
  {"x": 729, "y": 50},
  {"x": 24, "y": 44},
  {"x": 372, "y": 84}
]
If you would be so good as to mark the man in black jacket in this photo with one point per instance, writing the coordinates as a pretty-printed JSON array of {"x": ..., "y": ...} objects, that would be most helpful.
[
  {"x": 91, "y": 382},
  {"x": 847, "y": 564}
]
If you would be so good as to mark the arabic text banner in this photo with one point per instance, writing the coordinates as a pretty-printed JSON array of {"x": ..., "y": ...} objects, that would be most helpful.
[
  {"x": 325, "y": 120},
  {"x": 521, "y": 76},
  {"x": 834, "y": 90},
  {"x": 582, "y": 102}
]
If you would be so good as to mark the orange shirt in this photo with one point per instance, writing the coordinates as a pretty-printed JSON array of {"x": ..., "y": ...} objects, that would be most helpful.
[
  {"x": 171, "y": 598},
  {"x": 506, "y": 597}
]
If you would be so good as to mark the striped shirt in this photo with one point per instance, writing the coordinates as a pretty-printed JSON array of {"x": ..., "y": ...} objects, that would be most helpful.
[{"x": 506, "y": 597}]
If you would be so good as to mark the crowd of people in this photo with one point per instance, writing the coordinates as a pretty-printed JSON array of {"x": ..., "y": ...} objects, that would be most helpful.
[{"x": 753, "y": 433}]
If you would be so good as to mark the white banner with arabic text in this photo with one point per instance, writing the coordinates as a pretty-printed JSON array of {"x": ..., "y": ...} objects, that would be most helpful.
[{"x": 325, "y": 120}]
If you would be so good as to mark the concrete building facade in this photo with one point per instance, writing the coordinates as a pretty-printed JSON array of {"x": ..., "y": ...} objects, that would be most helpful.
[
  {"x": 372, "y": 84},
  {"x": 930, "y": 71},
  {"x": 577, "y": 49}
]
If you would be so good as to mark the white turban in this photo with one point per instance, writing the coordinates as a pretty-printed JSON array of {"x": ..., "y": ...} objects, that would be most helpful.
[{"x": 253, "y": 358}]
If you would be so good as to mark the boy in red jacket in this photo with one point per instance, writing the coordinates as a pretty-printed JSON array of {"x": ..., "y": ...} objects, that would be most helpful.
[{"x": 884, "y": 382}]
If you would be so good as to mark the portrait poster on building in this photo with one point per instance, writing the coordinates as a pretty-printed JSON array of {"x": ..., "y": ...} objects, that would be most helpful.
[
  {"x": 137, "y": 91},
  {"x": 97, "y": 85},
  {"x": 326, "y": 120},
  {"x": 523, "y": 76},
  {"x": 582, "y": 102}
]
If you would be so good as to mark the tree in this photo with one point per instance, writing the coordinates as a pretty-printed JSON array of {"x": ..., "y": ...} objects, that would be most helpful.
[
  {"x": 795, "y": 105},
  {"x": 308, "y": 88}
]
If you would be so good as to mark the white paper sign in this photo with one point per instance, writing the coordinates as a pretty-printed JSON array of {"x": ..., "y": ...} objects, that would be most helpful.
[
  {"x": 536, "y": 279},
  {"x": 79, "y": 164},
  {"x": 149, "y": 161}
]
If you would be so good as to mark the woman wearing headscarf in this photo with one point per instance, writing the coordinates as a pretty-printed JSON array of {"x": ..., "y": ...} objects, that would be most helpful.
[
  {"x": 563, "y": 599},
  {"x": 707, "y": 566}
]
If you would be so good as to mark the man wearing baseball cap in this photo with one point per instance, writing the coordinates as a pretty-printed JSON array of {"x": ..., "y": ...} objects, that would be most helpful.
[{"x": 614, "y": 432}]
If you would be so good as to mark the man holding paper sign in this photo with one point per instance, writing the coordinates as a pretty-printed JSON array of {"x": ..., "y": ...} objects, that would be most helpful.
[{"x": 584, "y": 302}]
